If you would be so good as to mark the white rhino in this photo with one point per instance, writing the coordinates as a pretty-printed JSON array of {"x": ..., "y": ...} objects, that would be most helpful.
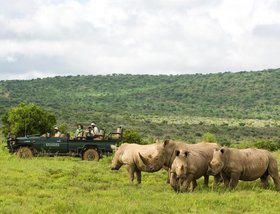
[
  {"x": 187, "y": 167},
  {"x": 206, "y": 149},
  {"x": 137, "y": 158},
  {"x": 245, "y": 165}
]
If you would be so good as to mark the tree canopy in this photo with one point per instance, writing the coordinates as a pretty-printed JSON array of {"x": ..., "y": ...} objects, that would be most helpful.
[{"x": 27, "y": 118}]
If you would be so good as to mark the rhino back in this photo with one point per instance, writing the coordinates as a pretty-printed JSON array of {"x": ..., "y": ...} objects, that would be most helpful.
[
  {"x": 206, "y": 148},
  {"x": 197, "y": 164},
  {"x": 251, "y": 163}
]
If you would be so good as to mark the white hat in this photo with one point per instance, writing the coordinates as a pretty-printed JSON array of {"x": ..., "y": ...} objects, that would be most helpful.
[
  {"x": 93, "y": 124},
  {"x": 56, "y": 127}
]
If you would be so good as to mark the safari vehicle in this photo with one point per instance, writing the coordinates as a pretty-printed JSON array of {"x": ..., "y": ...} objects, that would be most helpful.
[{"x": 88, "y": 148}]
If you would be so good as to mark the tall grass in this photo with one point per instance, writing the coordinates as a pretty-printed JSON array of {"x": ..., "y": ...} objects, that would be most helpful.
[{"x": 69, "y": 185}]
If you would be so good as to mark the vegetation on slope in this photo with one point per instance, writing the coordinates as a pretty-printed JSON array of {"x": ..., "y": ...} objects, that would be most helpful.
[{"x": 141, "y": 101}]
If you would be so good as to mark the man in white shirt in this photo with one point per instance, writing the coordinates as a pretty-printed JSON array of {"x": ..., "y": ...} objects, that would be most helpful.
[{"x": 94, "y": 130}]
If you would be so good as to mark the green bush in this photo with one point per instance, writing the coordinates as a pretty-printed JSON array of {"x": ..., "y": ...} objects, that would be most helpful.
[
  {"x": 209, "y": 137},
  {"x": 268, "y": 145},
  {"x": 261, "y": 144},
  {"x": 132, "y": 136},
  {"x": 224, "y": 141}
]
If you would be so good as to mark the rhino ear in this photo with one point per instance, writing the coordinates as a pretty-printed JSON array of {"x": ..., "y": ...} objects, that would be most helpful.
[
  {"x": 222, "y": 151},
  {"x": 166, "y": 142},
  {"x": 177, "y": 152},
  {"x": 144, "y": 160}
]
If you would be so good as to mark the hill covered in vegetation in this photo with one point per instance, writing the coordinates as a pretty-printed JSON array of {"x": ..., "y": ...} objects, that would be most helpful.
[{"x": 141, "y": 101}]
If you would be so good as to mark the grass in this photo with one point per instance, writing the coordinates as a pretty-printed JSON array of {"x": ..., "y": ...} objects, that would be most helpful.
[{"x": 69, "y": 185}]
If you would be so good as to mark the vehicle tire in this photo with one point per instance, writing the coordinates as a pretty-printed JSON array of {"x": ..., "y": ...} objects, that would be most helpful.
[
  {"x": 91, "y": 155},
  {"x": 24, "y": 152}
]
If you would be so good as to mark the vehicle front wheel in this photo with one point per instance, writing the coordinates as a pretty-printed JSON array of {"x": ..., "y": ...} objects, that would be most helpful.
[
  {"x": 24, "y": 152},
  {"x": 91, "y": 155}
]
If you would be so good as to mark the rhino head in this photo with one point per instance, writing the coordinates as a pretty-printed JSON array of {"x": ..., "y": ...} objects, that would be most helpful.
[
  {"x": 154, "y": 162},
  {"x": 116, "y": 163},
  {"x": 180, "y": 164},
  {"x": 216, "y": 164}
]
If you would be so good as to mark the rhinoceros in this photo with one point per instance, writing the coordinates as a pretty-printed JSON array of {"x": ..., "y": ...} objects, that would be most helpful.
[
  {"x": 187, "y": 167},
  {"x": 206, "y": 149},
  {"x": 244, "y": 164},
  {"x": 137, "y": 158}
]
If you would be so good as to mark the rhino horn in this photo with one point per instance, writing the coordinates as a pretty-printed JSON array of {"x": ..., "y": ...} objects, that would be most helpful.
[{"x": 144, "y": 160}]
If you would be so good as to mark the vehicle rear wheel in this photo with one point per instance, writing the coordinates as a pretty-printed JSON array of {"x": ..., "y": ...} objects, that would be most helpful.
[
  {"x": 24, "y": 152},
  {"x": 91, "y": 155}
]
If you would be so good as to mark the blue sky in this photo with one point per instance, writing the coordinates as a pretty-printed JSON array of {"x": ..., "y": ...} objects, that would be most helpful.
[{"x": 45, "y": 38}]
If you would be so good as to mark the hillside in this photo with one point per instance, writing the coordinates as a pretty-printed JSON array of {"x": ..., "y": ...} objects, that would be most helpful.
[{"x": 132, "y": 99}]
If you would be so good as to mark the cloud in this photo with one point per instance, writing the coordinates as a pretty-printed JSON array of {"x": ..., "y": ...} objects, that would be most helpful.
[{"x": 73, "y": 37}]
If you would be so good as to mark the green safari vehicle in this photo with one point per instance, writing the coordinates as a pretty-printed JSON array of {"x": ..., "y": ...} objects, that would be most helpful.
[{"x": 87, "y": 148}]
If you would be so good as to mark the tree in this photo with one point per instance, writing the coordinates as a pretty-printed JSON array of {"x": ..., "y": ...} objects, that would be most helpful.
[
  {"x": 27, "y": 119},
  {"x": 209, "y": 137},
  {"x": 131, "y": 136}
]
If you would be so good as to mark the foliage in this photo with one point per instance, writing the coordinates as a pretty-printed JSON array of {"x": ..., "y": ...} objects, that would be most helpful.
[
  {"x": 232, "y": 106},
  {"x": 233, "y": 95},
  {"x": 268, "y": 145},
  {"x": 259, "y": 144},
  {"x": 209, "y": 137},
  {"x": 131, "y": 136},
  {"x": 27, "y": 119}
]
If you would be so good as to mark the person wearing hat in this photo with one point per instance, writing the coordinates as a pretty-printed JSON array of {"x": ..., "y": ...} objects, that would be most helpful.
[
  {"x": 57, "y": 133},
  {"x": 94, "y": 129}
]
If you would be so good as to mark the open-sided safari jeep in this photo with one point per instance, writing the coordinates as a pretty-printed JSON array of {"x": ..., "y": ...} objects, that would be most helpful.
[{"x": 87, "y": 148}]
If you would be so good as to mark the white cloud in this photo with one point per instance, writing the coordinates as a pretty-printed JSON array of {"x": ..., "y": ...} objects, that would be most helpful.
[{"x": 137, "y": 36}]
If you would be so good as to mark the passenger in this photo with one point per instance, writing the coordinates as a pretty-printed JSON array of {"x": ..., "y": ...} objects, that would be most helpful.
[
  {"x": 57, "y": 133},
  {"x": 89, "y": 132},
  {"x": 94, "y": 130},
  {"x": 79, "y": 131}
]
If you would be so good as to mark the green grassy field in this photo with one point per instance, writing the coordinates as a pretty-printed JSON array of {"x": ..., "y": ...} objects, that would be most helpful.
[{"x": 69, "y": 185}]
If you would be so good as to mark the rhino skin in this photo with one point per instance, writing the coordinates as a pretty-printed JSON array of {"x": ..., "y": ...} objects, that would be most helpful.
[
  {"x": 187, "y": 167},
  {"x": 244, "y": 164},
  {"x": 137, "y": 158},
  {"x": 204, "y": 148}
]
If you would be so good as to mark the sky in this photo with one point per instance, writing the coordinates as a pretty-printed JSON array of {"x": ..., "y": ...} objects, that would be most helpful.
[{"x": 47, "y": 38}]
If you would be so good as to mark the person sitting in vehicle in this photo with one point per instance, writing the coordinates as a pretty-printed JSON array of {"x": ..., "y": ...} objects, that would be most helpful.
[
  {"x": 57, "y": 133},
  {"x": 79, "y": 133},
  {"x": 94, "y": 130},
  {"x": 89, "y": 132}
]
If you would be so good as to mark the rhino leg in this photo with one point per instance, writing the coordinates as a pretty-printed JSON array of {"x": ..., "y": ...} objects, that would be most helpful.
[
  {"x": 217, "y": 179},
  {"x": 187, "y": 182},
  {"x": 168, "y": 176},
  {"x": 264, "y": 180},
  {"x": 276, "y": 181},
  {"x": 138, "y": 176},
  {"x": 206, "y": 180},
  {"x": 234, "y": 180},
  {"x": 174, "y": 182},
  {"x": 130, "y": 170},
  {"x": 194, "y": 184},
  {"x": 226, "y": 180},
  {"x": 273, "y": 172}
]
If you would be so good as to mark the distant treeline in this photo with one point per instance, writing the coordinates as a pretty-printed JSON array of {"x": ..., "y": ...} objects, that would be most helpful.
[{"x": 110, "y": 100}]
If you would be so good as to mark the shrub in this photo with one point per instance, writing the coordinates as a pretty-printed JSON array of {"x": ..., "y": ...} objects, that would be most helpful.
[
  {"x": 132, "y": 136},
  {"x": 209, "y": 137},
  {"x": 268, "y": 145}
]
